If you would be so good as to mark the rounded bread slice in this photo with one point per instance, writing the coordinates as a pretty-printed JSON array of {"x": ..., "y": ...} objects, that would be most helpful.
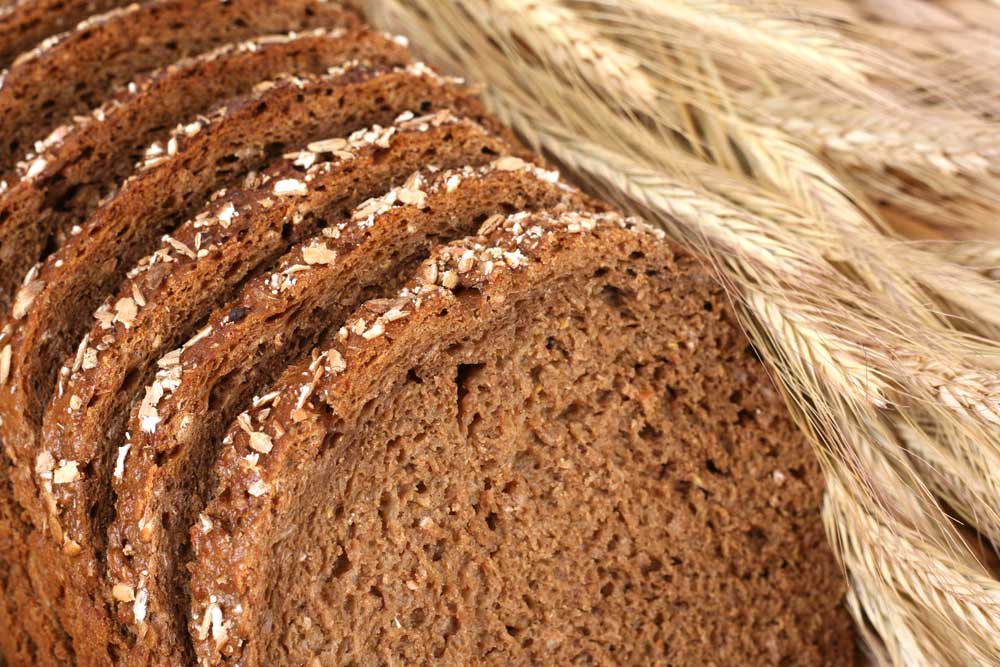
[
  {"x": 277, "y": 317},
  {"x": 554, "y": 447}
]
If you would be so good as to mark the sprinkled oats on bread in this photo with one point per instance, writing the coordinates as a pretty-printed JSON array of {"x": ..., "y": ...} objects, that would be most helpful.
[
  {"x": 72, "y": 72},
  {"x": 68, "y": 174},
  {"x": 306, "y": 360}
]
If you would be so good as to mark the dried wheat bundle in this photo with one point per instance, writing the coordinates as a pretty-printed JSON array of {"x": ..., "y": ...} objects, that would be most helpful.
[{"x": 774, "y": 137}]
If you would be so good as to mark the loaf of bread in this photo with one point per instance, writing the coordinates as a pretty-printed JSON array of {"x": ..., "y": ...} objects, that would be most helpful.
[{"x": 305, "y": 360}]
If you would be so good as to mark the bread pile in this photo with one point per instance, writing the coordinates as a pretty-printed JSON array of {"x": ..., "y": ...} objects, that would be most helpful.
[{"x": 305, "y": 361}]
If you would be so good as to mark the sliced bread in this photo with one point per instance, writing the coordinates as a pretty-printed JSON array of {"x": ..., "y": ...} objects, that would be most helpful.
[
  {"x": 51, "y": 311},
  {"x": 73, "y": 72},
  {"x": 172, "y": 292},
  {"x": 80, "y": 164},
  {"x": 276, "y": 318},
  {"x": 554, "y": 447}
]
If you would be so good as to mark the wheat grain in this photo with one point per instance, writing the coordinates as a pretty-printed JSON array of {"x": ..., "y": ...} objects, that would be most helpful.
[
  {"x": 861, "y": 328},
  {"x": 577, "y": 43},
  {"x": 953, "y": 592}
]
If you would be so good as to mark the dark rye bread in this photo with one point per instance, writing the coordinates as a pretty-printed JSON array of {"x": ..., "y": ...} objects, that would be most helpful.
[
  {"x": 73, "y": 72},
  {"x": 569, "y": 455},
  {"x": 81, "y": 164},
  {"x": 52, "y": 310},
  {"x": 278, "y": 317},
  {"x": 24, "y": 23},
  {"x": 170, "y": 293}
]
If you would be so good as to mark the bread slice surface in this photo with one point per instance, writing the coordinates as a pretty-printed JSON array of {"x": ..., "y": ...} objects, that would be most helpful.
[
  {"x": 74, "y": 71},
  {"x": 281, "y": 314},
  {"x": 51, "y": 312},
  {"x": 565, "y": 456},
  {"x": 177, "y": 287},
  {"x": 80, "y": 164}
]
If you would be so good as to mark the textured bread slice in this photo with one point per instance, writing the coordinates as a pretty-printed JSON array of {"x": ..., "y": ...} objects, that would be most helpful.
[
  {"x": 81, "y": 164},
  {"x": 276, "y": 318},
  {"x": 555, "y": 447},
  {"x": 52, "y": 311},
  {"x": 195, "y": 270},
  {"x": 31, "y": 634},
  {"x": 24, "y": 23},
  {"x": 73, "y": 72}
]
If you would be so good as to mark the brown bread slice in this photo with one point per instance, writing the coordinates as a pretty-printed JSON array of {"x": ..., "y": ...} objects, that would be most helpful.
[
  {"x": 24, "y": 23},
  {"x": 194, "y": 271},
  {"x": 52, "y": 311},
  {"x": 81, "y": 163},
  {"x": 569, "y": 455},
  {"x": 276, "y": 318},
  {"x": 73, "y": 72},
  {"x": 31, "y": 636}
]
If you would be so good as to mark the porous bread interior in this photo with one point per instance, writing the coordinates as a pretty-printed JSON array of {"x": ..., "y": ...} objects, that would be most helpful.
[
  {"x": 247, "y": 364},
  {"x": 594, "y": 471}
]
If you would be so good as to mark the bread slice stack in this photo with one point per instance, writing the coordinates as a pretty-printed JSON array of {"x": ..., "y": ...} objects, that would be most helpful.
[{"x": 304, "y": 360}]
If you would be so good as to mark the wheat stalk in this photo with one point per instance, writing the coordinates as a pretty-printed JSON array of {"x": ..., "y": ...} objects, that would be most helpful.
[
  {"x": 796, "y": 45},
  {"x": 943, "y": 590},
  {"x": 981, "y": 256},
  {"x": 580, "y": 45},
  {"x": 965, "y": 477},
  {"x": 859, "y": 326},
  {"x": 895, "y": 137},
  {"x": 935, "y": 143}
]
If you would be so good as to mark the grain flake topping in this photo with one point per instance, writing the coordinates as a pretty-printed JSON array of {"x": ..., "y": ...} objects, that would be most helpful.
[
  {"x": 317, "y": 253},
  {"x": 67, "y": 473},
  {"x": 25, "y": 296},
  {"x": 290, "y": 186}
]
